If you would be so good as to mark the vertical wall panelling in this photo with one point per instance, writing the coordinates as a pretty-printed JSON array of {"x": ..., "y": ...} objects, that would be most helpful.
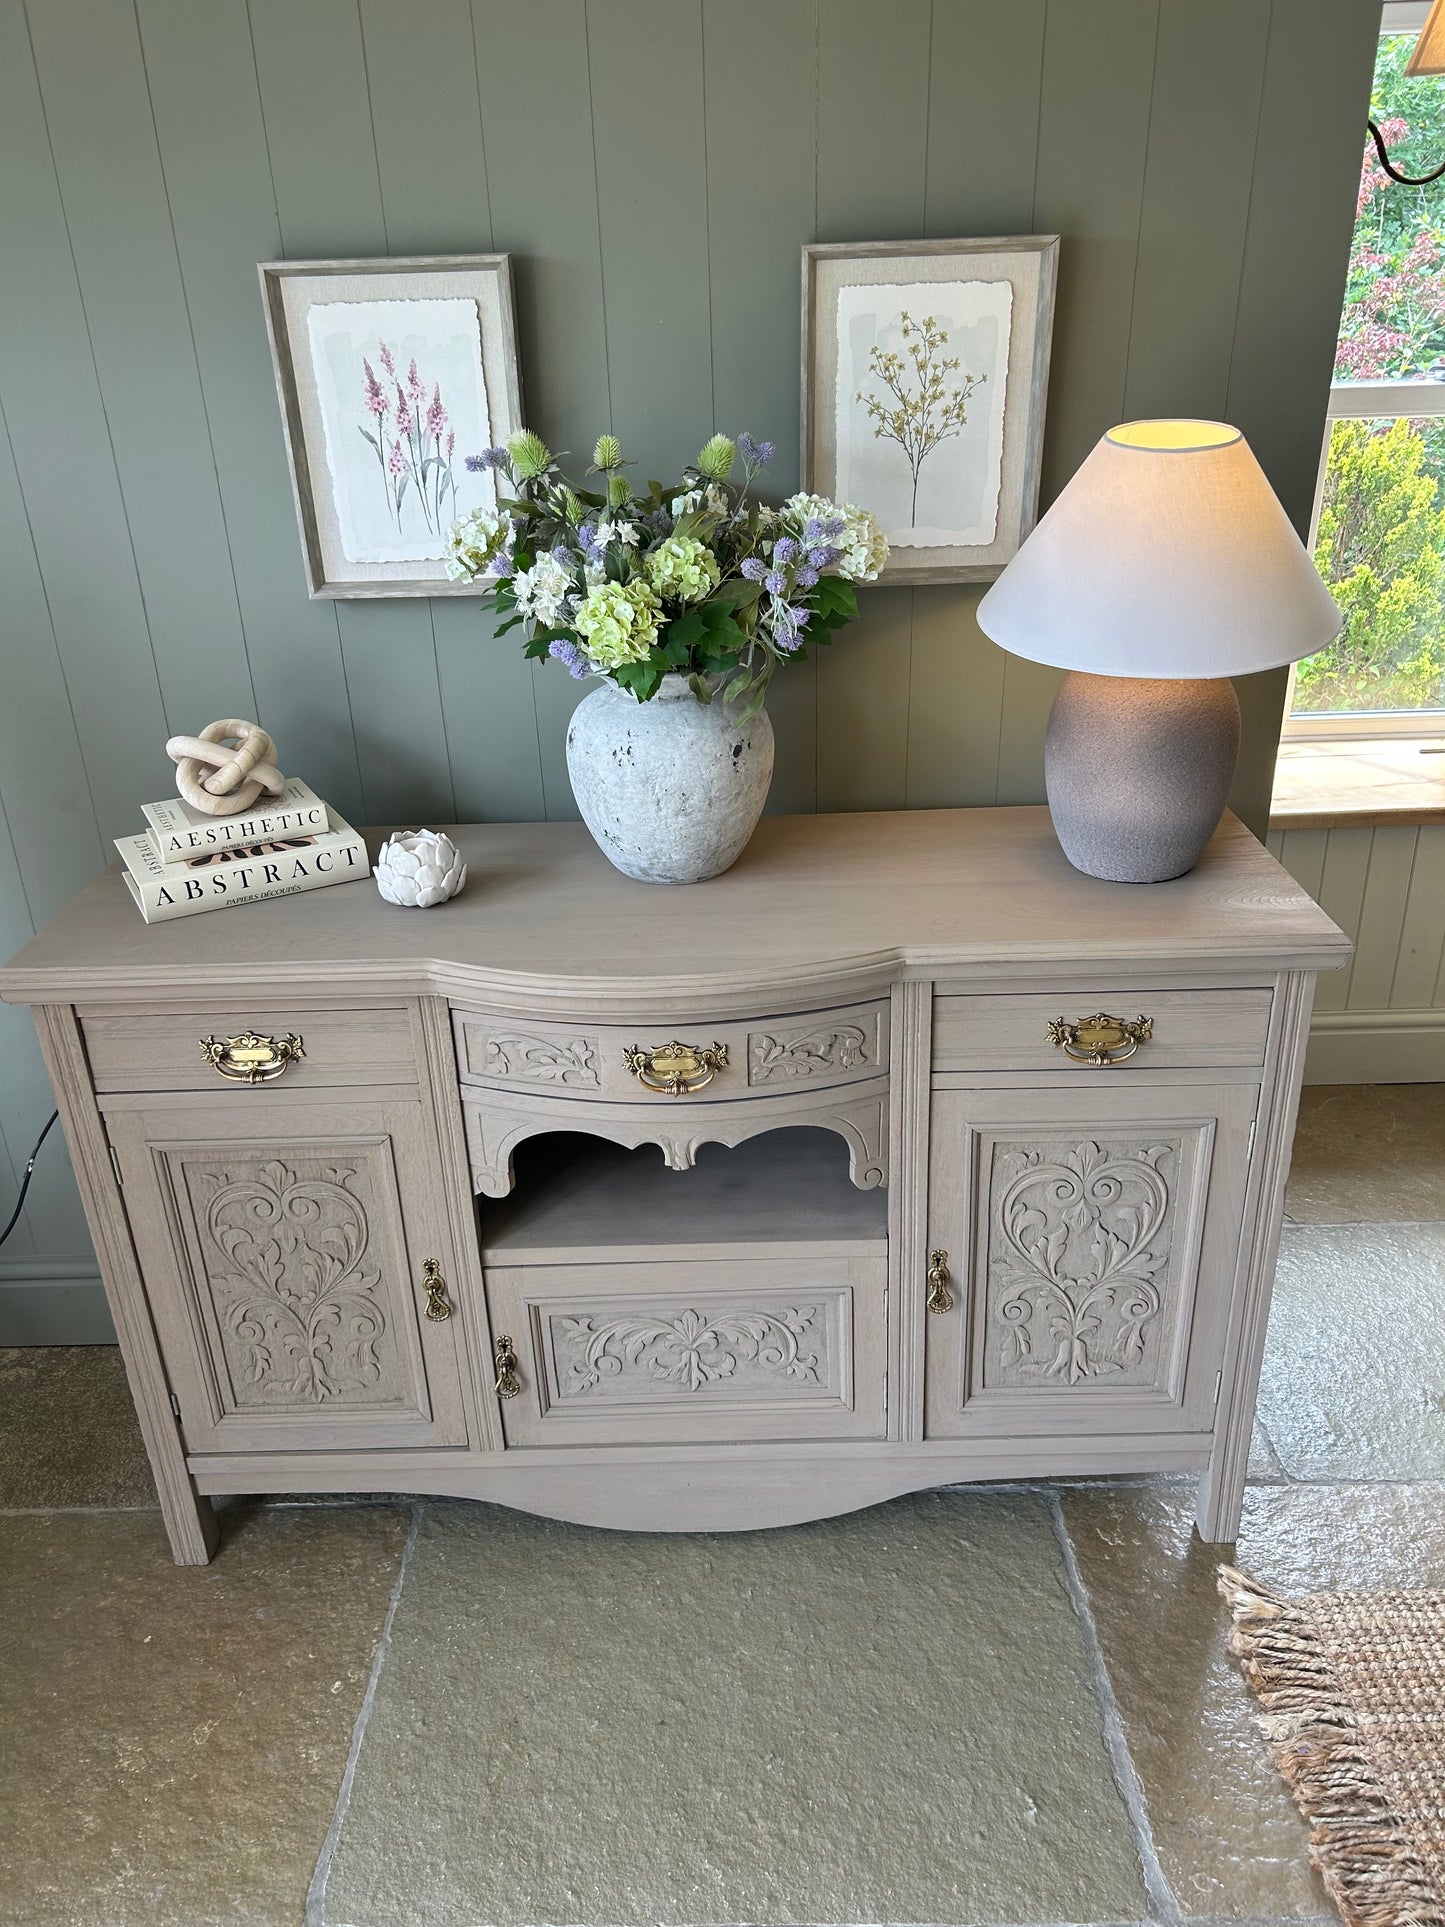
[
  {"x": 761, "y": 139},
  {"x": 983, "y": 121},
  {"x": 1419, "y": 978},
  {"x": 207, "y": 106},
  {"x": 1089, "y": 188},
  {"x": 872, "y": 167},
  {"x": 65, "y": 460},
  {"x": 1382, "y": 916},
  {"x": 653, "y": 167},
  {"x": 1342, "y": 893},
  {"x": 93, "y": 84},
  {"x": 544, "y": 213}
]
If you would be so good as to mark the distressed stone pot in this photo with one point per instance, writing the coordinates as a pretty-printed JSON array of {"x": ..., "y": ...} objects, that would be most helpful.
[{"x": 672, "y": 788}]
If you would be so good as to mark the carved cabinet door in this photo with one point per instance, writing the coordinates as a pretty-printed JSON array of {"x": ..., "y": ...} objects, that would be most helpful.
[
  {"x": 284, "y": 1248},
  {"x": 1092, "y": 1234}
]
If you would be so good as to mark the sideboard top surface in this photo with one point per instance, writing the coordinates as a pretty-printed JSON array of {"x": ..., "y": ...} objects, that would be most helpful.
[{"x": 814, "y": 901}]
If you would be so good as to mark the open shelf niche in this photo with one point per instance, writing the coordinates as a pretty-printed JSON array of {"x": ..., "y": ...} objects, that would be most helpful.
[{"x": 785, "y": 1188}]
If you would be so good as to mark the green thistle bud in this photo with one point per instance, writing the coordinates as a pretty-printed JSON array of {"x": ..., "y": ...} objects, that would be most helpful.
[
  {"x": 619, "y": 491},
  {"x": 571, "y": 508},
  {"x": 716, "y": 459},
  {"x": 529, "y": 454},
  {"x": 607, "y": 454}
]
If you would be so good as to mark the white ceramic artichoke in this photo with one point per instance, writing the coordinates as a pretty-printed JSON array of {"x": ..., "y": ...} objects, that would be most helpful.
[{"x": 418, "y": 868}]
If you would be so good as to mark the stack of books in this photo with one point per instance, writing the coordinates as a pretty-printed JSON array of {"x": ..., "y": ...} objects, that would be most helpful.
[{"x": 186, "y": 861}]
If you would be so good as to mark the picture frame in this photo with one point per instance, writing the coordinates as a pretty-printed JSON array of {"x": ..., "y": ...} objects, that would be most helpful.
[
  {"x": 924, "y": 383},
  {"x": 389, "y": 373}
]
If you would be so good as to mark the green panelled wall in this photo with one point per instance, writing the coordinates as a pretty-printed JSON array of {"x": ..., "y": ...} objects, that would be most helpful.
[{"x": 653, "y": 167}]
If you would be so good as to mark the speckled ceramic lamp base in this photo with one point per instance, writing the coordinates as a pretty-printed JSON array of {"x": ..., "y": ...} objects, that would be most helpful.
[{"x": 1138, "y": 771}]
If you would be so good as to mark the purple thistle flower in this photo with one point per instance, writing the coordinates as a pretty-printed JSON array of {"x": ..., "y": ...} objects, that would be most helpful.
[
  {"x": 775, "y": 582},
  {"x": 592, "y": 550},
  {"x": 754, "y": 568},
  {"x": 788, "y": 625},
  {"x": 489, "y": 458},
  {"x": 376, "y": 401},
  {"x": 571, "y": 657},
  {"x": 504, "y": 564},
  {"x": 415, "y": 387},
  {"x": 807, "y": 578},
  {"x": 396, "y": 461},
  {"x": 766, "y": 452},
  {"x": 823, "y": 558},
  {"x": 403, "y": 413},
  {"x": 436, "y": 415},
  {"x": 815, "y": 529},
  {"x": 755, "y": 454},
  {"x": 386, "y": 361},
  {"x": 784, "y": 549}
]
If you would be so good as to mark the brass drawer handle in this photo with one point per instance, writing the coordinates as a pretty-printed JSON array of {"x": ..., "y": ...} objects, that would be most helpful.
[
  {"x": 1101, "y": 1040},
  {"x": 508, "y": 1381},
  {"x": 676, "y": 1069},
  {"x": 940, "y": 1298},
  {"x": 435, "y": 1287},
  {"x": 249, "y": 1058}
]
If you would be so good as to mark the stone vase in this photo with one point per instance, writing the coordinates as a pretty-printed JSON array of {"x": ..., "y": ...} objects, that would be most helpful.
[{"x": 672, "y": 788}]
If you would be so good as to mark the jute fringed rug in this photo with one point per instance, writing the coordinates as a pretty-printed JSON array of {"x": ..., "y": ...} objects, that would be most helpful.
[{"x": 1352, "y": 1688}]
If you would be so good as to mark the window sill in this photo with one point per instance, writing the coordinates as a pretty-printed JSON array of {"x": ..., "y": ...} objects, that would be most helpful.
[{"x": 1359, "y": 783}]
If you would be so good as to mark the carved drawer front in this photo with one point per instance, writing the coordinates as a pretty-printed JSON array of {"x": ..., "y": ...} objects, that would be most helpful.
[
  {"x": 1092, "y": 1238},
  {"x": 763, "y": 1057},
  {"x": 137, "y": 1050},
  {"x": 285, "y": 1261},
  {"x": 1185, "y": 1029},
  {"x": 693, "y": 1350}
]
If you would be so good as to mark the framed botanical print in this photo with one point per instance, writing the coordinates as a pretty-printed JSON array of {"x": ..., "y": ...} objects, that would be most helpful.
[
  {"x": 925, "y": 370},
  {"x": 390, "y": 375}
]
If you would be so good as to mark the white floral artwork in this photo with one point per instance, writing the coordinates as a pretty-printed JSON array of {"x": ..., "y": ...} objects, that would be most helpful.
[
  {"x": 403, "y": 401},
  {"x": 920, "y": 398}
]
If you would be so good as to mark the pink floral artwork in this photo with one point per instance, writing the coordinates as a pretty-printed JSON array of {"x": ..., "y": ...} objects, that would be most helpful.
[{"x": 392, "y": 437}]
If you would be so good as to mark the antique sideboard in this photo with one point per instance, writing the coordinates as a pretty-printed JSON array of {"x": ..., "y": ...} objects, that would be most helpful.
[{"x": 903, "y": 1154}]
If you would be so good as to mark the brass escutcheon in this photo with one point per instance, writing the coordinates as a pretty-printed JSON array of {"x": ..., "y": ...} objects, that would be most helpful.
[
  {"x": 1101, "y": 1040},
  {"x": 251, "y": 1058},
  {"x": 940, "y": 1298},
  {"x": 508, "y": 1382},
  {"x": 676, "y": 1069},
  {"x": 435, "y": 1287}
]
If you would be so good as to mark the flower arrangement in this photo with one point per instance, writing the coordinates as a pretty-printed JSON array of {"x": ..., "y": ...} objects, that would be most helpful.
[{"x": 698, "y": 579}]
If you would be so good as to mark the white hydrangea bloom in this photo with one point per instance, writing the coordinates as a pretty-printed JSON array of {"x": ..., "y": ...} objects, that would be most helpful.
[
  {"x": 474, "y": 543},
  {"x": 685, "y": 504},
  {"x": 542, "y": 589},
  {"x": 864, "y": 545}
]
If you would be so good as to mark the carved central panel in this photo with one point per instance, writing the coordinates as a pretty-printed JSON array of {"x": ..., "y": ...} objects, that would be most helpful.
[
  {"x": 1080, "y": 1241},
  {"x": 691, "y": 1351},
  {"x": 289, "y": 1261}
]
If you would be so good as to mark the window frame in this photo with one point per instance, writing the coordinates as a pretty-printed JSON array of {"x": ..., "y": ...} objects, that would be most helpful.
[{"x": 1362, "y": 401}]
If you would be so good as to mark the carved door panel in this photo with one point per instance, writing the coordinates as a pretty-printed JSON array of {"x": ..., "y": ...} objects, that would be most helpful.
[
  {"x": 687, "y": 1351},
  {"x": 1092, "y": 1234},
  {"x": 284, "y": 1247}
]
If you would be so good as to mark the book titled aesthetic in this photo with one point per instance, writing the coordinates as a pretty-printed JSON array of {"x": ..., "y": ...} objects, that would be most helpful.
[
  {"x": 181, "y": 832},
  {"x": 240, "y": 873}
]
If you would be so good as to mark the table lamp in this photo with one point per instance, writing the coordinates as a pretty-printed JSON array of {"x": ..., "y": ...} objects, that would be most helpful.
[{"x": 1166, "y": 566}]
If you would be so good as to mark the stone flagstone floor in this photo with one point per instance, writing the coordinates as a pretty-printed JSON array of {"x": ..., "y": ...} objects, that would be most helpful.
[{"x": 1007, "y": 1705}]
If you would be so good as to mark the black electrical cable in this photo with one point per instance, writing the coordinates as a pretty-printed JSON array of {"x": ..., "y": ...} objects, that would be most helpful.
[
  {"x": 1405, "y": 180},
  {"x": 25, "y": 1181}
]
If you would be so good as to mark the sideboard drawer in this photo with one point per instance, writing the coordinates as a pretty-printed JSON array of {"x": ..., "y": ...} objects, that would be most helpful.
[
  {"x": 760, "y": 1057},
  {"x": 1189, "y": 1029},
  {"x": 692, "y": 1351},
  {"x": 132, "y": 1050}
]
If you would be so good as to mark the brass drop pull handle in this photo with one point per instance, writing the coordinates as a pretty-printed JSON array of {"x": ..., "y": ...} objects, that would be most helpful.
[
  {"x": 508, "y": 1381},
  {"x": 940, "y": 1298},
  {"x": 676, "y": 1069},
  {"x": 1101, "y": 1040},
  {"x": 250, "y": 1058},
  {"x": 435, "y": 1287}
]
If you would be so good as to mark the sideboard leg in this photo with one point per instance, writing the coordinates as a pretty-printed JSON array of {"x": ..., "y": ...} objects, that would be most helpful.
[
  {"x": 189, "y": 1519},
  {"x": 1221, "y": 1490}
]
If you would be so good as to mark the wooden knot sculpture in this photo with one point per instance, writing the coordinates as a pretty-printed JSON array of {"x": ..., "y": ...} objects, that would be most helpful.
[{"x": 226, "y": 767}]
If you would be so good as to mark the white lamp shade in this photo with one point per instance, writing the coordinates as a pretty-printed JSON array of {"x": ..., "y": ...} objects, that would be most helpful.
[{"x": 1168, "y": 555}]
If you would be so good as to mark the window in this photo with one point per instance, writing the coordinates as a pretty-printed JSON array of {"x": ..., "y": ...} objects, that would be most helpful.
[{"x": 1379, "y": 525}]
